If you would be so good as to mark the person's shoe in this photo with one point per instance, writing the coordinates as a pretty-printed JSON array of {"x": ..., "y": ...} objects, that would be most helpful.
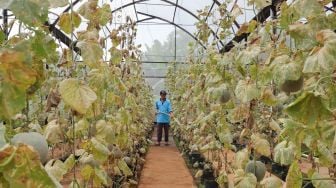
[
  {"x": 167, "y": 144},
  {"x": 157, "y": 144}
]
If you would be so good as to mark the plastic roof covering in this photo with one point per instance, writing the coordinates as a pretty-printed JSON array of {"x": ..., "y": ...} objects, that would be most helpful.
[
  {"x": 183, "y": 13},
  {"x": 157, "y": 18}
]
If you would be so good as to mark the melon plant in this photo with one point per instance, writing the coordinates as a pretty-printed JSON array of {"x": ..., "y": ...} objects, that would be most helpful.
[
  {"x": 283, "y": 78},
  {"x": 85, "y": 105}
]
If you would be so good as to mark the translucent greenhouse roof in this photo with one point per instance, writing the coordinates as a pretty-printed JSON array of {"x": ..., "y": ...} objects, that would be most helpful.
[{"x": 156, "y": 20}]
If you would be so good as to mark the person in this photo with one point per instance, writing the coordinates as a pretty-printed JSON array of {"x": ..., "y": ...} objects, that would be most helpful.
[{"x": 163, "y": 114}]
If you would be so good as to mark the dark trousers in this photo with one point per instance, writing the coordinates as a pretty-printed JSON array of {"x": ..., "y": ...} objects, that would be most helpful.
[{"x": 161, "y": 126}]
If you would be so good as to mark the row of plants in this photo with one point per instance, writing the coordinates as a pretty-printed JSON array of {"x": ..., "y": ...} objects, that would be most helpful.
[
  {"x": 270, "y": 99},
  {"x": 71, "y": 119}
]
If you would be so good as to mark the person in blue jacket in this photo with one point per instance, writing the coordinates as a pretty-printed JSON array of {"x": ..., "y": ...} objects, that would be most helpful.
[{"x": 163, "y": 114}]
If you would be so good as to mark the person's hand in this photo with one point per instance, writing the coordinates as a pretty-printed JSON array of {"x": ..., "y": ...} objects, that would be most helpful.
[{"x": 171, "y": 115}]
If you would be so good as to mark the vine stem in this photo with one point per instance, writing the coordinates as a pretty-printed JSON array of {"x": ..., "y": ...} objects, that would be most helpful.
[
  {"x": 27, "y": 108},
  {"x": 72, "y": 115}
]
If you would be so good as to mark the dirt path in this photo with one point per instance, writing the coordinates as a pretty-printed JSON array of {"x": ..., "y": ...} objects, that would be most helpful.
[{"x": 165, "y": 168}]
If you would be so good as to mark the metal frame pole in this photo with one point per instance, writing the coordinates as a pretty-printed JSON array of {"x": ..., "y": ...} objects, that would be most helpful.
[{"x": 5, "y": 22}]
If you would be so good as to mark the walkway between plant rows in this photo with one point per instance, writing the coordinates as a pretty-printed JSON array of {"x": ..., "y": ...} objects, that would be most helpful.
[{"x": 165, "y": 168}]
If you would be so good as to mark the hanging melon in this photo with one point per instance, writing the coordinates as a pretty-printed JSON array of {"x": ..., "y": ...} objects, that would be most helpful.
[
  {"x": 257, "y": 168},
  {"x": 36, "y": 140}
]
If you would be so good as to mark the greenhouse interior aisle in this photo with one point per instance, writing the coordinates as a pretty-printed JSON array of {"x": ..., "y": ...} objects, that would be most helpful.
[{"x": 165, "y": 168}]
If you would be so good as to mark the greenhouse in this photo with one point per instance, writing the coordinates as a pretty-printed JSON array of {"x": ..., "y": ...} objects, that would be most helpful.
[{"x": 168, "y": 93}]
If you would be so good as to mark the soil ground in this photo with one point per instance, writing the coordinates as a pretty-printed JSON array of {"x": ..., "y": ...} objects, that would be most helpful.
[{"x": 165, "y": 168}]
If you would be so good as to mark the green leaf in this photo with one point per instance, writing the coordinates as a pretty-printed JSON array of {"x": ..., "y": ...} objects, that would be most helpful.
[
  {"x": 124, "y": 168},
  {"x": 322, "y": 59},
  {"x": 68, "y": 22},
  {"x": 77, "y": 95},
  {"x": 7, "y": 155},
  {"x": 27, "y": 160},
  {"x": 271, "y": 182},
  {"x": 275, "y": 126},
  {"x": 87, "y": 10},
  {"x": 295, "y": 132},
  {"x": 91, "y": 51},
  {"x": 326, "y": 157},
  {"x": 285, "y": 69},
  {"x": 321, "y": 183},
  {"x": 53, "y": 132},
  {"x": 241, "y": 159},
  {"x": 284, "y": 153},
  {"x": 268, "y": 98},
  {"x": 15, "y": 70},
  {"x": 288, "y": 15},
  {"x": 104, "y": 14},
  {"x": 2, "y": 36},
  {"x": 12, "y": 100},
  {"x": 105, "y": 132},
  {"x": 116, "y": 55},
  {"x": 225, "y": 137},
  {"x": 82, "y": 126},
  {"x": 240, "y": 69},
  {"x": 100, "y": 176},
  {"x": 243, "y": 180},
  {"x": 2, "y": 136},
  {"x": 301, "y": 109},
  {"x": 261, "y": 145},
  {"x": 308, "y": 8},
  {"x": 249, "y": 55},
  {"x": 69, "y": 163},
  {"x": 303, "y": 34},
  {"x": 99, "y": 150},
  {"x": 239, "y": 113},
  {"x": 246, "y": 91},
  {"x": 294, "y": 176},
  {"x": 31, "y": 12},
  {"x": 44, "y": 47},
  {"x": 56, "y": 168},
  {"x": 86, "y": 172},
  {"x": 58, "y": 3}
]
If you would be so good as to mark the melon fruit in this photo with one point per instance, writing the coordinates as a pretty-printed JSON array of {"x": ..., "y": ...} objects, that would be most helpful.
[
  {"x": 257, "y": 168},
  {"x": 36, "y": 140},
  {"x": 128, "y": 160},
  {"x": 290, "y": 86},
  {"x": 116, "y": 152},
  {"x": 225, "y": 96}
]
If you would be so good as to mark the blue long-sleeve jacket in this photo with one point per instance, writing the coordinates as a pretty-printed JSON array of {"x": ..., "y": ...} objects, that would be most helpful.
[{"x": 165, "y": 107}]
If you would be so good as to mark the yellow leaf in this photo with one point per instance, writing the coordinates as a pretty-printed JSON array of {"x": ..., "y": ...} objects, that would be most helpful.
[{"x": 77, "y": 95}]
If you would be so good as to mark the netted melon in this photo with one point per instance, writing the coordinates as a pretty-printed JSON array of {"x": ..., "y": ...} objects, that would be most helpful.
[
  {"x": 225, "y": 97},
  {"x": 116, "y": 152},
  {"x": 292, "y": 85},
  {"x": 257, "y": 168},
  {"x": 128, "y": 160}
]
